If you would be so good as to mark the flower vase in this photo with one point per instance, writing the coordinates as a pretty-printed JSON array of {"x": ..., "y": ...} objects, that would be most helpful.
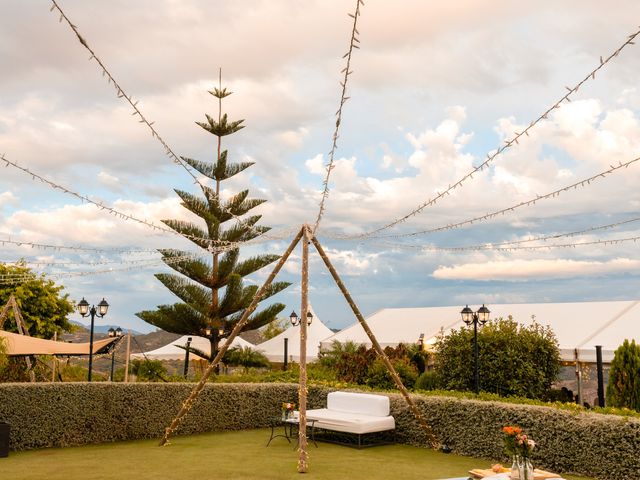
[
  {"x": 284, "y": 415},
  {"x": 525, "y": 468},
  {"x": 515, "y": 471}
]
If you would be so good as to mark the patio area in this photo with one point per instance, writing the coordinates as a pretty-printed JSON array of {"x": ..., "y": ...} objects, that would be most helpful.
[{"x": 237, "y": 455}]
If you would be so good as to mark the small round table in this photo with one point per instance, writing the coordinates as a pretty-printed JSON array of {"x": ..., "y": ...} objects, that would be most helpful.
[{"x": 288, "y": 425}]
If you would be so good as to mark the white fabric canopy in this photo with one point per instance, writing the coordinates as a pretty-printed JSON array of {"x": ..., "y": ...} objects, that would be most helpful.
[
  {"x": 579, "y": 326},
  {"x": 172, "y": 352},
  {"x": 316, "y": 332}
]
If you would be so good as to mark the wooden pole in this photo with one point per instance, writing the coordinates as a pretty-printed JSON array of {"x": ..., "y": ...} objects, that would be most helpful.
[
  {"x": 303, "y": 459},
  {"x": 188, "y": 403},
  {"x": 126, "y": 360},
  {"x": 392, "y": 371}
]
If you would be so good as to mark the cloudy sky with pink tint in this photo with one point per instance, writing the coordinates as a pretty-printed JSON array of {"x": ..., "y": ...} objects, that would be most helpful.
[{"x": 436, "y": 87}]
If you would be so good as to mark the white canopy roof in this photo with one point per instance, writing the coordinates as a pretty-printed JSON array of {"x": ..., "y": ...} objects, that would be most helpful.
[
  {"x": 579, "y": 326},
  {"x": 316, "y": 332},
  {"x": 172, "y": 352}
]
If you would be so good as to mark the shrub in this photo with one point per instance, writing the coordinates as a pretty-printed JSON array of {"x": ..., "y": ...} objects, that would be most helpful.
[
  {"x": 514, "y": 359},
  {"x": 623, "y": 389},
  {"x": 148, "y": 370},
  {"x": 427, "y": 381},
  {"x": 245, "y": 357},
  {"x": 379, "y": 377}
]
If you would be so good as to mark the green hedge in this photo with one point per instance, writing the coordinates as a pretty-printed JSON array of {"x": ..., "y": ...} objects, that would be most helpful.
[
  {"x": 43, "y": 415},
  {"x": 63, "y": 414},
  {"x": 603, "y": 446}
]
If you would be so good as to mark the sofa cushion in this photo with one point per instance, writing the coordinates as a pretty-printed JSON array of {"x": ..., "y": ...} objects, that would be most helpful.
[
  {"x": 361, "y": 403},
  {"x": 349, "y": 421}
]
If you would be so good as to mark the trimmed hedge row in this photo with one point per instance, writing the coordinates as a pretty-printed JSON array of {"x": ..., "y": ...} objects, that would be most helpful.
[
  {"x": 603, "y": 446},
  {"x": 64, "y": 414},
  {"x": 44, "y": 415}
]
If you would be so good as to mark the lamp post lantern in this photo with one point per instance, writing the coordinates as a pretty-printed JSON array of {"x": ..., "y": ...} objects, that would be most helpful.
[
  {"x": 295, "y": 320},
  {"x": 480, "y": 317},
  {"x": 113, "y": 333},
  {"x": 101, "y": 311}
]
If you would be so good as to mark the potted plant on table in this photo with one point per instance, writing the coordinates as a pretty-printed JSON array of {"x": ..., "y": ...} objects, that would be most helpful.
[{"x": 287, "y": 410}]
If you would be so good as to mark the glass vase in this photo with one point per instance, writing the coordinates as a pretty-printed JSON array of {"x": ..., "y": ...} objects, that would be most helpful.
[
  {"x": 515, "y": 471},
  {"x": 525, "y": 468}
]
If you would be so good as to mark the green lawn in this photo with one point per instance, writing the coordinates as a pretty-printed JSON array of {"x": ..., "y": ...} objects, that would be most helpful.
[{"x": 232, "y": 455}]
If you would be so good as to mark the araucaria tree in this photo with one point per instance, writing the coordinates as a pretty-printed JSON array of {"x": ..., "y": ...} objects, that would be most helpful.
[{"x": 213, "y": 297}]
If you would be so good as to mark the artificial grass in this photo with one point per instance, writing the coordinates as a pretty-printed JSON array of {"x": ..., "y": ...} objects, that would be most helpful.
[{"x": 234, "y": 455}]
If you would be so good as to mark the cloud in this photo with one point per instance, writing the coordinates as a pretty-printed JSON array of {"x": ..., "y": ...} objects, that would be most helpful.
[{"x": 523, "y": 270}]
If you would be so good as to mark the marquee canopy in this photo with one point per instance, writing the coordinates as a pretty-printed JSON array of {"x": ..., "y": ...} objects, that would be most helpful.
[
  {"x": 316, "y": 332},
  {"x": 173, "y": 352},
  {"x": 579, "y": 326}
]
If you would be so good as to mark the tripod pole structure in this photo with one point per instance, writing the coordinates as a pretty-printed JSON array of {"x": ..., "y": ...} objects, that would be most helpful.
[
  {"x": 392, "y": 371},
  {"x": 188, "y": 403}
]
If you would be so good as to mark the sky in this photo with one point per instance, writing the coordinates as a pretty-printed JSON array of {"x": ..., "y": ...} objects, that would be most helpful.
[{"x": 436, "y": 88}]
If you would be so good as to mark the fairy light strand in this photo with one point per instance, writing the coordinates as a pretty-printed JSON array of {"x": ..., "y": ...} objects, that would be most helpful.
[
  {"x": 353, "y": 43},
  {"x": 121, "y": 93},
  {"x": 500, "y": 248},
  {"x": 215, "y": 244},
  {"x": 507, "y": 144},
  {"x": 582, "y": 183}
]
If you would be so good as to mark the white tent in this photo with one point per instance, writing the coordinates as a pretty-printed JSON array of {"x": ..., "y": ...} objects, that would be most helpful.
[
  {"x": 316, "y": 332},
  {"x": 172, "y": 352},
  {"x": 579, "y": 326}
]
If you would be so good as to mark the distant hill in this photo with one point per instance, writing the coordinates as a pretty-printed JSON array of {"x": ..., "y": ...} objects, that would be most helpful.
[{"x": 100, "y": 328}]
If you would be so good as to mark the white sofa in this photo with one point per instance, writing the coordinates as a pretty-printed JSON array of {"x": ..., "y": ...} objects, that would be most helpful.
[{"x": 357, "y": 413}]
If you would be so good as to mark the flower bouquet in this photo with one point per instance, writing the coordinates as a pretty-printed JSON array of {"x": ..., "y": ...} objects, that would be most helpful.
[
  {"x": 519, "y": 446},
  {"x": 287, "y": 410}
]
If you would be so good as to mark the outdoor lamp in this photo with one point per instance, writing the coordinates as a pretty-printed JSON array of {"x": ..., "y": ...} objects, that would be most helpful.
[
  {"x": 207, "y": 331},
  {"x": 83, "y": 307},
  {"x": 294, "y": 318},
  {"x": 309, "y": 317},
  {"x": 103, "y": 306},
  {"x": 474, "y": 318},
  {"x": 221, "y": 331},
  {"x": 84, "y": 310}
]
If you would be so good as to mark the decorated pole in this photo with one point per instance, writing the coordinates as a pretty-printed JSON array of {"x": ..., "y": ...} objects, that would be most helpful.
[
  {"x": 188, "y": 403},
  {"x": 302, "y": 387},
  {"x": 392, "y": 371}
]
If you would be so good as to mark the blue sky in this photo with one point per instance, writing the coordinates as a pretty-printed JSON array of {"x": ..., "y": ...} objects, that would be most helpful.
[{"x": 434, "y": 89}]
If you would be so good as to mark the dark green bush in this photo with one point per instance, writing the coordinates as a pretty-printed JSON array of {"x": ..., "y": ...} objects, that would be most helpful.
[
  {"x": 378, "y": 376},
  {"x": 148, "y": 370},
  {"x": 514, "y": 359},
  {"x": 427, "y": 381},
  {"x": 623, "y": 389}
]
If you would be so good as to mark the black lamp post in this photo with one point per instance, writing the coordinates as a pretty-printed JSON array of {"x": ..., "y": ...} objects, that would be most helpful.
[
  {"x": 480, "y": 317},
  {"x": 186, "y": 357},
  {"x": 113, "y": 333},
  {"x": 83, "y": 308}
]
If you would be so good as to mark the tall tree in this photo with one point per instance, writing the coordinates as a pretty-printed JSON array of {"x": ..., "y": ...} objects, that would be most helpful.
[
  {"x": 44, "y": 308},
  {"x": 213, "y": 294}
]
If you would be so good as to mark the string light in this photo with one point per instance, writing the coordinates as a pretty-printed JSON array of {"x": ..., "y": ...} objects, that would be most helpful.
[
  {"x": 120, "y": 92},
  {"x": 343, "y": 99},
  {"x": 11, "y": 278},
  {"x": 507, "y": 144},
  {"x": 555, "y": 193},
  {"x": 498, "y": 248},
  {"x": 220, "y": 245}
]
